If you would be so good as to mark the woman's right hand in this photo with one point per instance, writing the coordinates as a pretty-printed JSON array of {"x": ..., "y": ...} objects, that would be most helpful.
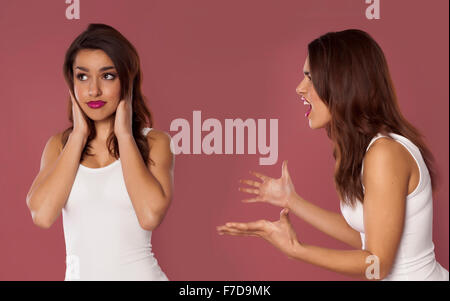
[
  {"x": 273, "y": 191},
  {"x": 80, "y": 126}
]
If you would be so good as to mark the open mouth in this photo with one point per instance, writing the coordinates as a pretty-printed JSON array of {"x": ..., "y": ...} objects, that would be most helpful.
[{"x": 307, "y": 103}]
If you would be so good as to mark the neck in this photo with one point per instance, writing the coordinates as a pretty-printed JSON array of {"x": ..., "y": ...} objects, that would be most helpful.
[{"x": 103, "y": 129}]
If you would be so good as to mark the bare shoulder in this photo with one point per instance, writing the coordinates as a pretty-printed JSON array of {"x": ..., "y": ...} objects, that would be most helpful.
[
  {"x": 386, "y": 148},
  {"x": 52, "y": 149},
  {"x": 160, "y": 146},
  {"x": 158, "y": 138},
  {"x": 55, "y": 143},
  {"x": 385, "y": 155},
  {"x": 58, "y": 138}
]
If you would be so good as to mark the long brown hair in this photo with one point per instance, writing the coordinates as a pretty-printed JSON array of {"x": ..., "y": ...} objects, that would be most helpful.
[
  {"x": 127, "y": 63},
  {"x": 351, "y": 75}
]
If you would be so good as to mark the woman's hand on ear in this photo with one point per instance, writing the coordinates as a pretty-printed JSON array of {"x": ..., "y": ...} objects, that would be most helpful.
[
  {"x": 273, "y": 191},
  {"x": 123, "y": 126},
  {"x": 80, "y": 125}
]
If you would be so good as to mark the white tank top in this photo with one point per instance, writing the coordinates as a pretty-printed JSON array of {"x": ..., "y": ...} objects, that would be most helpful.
[
  {"x": 104, "y": 240},
  {"x": 415, "y": 258}
]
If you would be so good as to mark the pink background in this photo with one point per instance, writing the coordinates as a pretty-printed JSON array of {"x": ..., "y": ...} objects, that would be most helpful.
[{"x": 229, "y": 59}]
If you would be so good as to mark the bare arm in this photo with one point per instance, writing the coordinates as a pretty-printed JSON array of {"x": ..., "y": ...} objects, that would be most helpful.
[
  {"x": 385, "y": 178},
  {"x": 149, "y": 187},
  {"x": 281, "y": 192},
  {"x": 329, "y": 222},
  {"x": 51, "y": 188}
]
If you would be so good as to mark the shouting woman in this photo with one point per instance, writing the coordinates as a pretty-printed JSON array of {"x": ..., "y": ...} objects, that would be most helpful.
[{"x": 384, "y": 172}]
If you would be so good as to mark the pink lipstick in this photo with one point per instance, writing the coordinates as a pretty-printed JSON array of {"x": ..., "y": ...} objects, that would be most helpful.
[{"x": 96, "y": 104}]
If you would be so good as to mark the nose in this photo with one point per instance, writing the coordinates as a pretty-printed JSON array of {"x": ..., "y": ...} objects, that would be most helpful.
[
  {"x": 94, "y": 88},
  {"x": 301, "y": 88}
]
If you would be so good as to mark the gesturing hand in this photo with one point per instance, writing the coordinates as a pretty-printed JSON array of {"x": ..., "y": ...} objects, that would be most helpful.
[
  {"x": 124, "y": 117},
  {"x": 270, "y": 190},
  {"x": 280, "y": 233}
]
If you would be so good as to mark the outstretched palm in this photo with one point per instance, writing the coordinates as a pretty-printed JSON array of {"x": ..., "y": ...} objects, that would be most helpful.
[
  {"x": 280, "y": 233},
  {"x": 270, "y": 190}
]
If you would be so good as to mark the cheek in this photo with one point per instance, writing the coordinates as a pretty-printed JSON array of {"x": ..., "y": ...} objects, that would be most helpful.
[
  {"x": 322, "y": 108},
  {"x": 325, "y": 113},
  {"x": 112, "y": 90},
  {"x": 116, "y": 88},
  {"x": 80, "y": 91}
]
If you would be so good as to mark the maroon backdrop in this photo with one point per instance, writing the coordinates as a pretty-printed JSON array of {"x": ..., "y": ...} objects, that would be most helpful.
[{"x": 229, "y": 59}]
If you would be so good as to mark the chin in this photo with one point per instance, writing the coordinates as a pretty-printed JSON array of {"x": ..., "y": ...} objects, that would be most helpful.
[
  {"x": 99, "y": 117},
  {"x": 314, "y": 126}
]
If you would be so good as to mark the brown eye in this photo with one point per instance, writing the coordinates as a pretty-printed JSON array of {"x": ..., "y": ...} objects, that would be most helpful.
[
  {"x": 110, "y": 75},
  {"x": 80, "y": 75}
]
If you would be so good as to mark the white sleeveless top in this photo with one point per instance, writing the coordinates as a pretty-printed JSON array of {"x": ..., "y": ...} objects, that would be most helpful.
[
  {"x": 415, "y": 259},
  {"x": 104, "y": 240}
]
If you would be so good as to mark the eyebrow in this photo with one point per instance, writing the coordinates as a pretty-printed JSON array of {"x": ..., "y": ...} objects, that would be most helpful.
[
  {"x": 307, "y": 73},
  {"x": 101, "y": 69}
]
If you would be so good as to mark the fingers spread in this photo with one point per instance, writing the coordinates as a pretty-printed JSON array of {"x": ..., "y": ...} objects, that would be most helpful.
[
  {"x": 260, "y": 175},
  {"x": 251, "y": 183},
  {"x": 249, "y": 190}
]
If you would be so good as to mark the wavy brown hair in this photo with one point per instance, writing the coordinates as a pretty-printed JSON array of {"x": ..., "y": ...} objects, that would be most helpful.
[
  {"x": 127, "y": 63},
  {"x": 351, "y": 76}
]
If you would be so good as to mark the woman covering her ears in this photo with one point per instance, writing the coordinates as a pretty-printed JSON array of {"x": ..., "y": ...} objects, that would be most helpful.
[
  {"x": 110, "y": 173},
  {"x": 384, "y": 173}
]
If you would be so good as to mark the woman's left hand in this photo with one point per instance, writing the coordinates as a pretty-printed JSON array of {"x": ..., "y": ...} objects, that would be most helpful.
[
  {"x": 124, "y": 117},
  {"x": 279, "y": 233}
]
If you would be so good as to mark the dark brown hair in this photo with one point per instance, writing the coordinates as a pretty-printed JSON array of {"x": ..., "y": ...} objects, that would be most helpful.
[
  {"x": 127, "y": 63},
  {"x": 351, "y": 76}
]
